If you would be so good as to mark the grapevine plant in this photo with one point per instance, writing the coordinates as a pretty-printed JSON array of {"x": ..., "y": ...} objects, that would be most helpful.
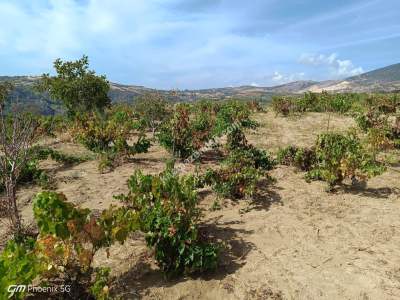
[
  {"x": 334, "y": 157},
  {"x": 167, "y": 206},
  {"x": 108, "y": 134},
  {"x": 68, "y": 239}
]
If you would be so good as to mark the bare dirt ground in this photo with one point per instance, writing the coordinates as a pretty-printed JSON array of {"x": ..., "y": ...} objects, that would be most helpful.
[{"x": 293, "y": 241}]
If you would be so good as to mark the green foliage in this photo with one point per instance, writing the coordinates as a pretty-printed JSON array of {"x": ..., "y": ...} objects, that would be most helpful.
[
  {"x": 373, "y": 118},
  {"x": 237, "y": 177},
  {"x": 231, "y": 116},
  {"x": 339, "y": 156},
  {"x": 168, "y": 215},
  {"x": 79, "y": 89},
  {"x": 108, "y": 134},
  {"x": 70, "y": 236},
  {"x": 177, "y": 134},
  {"x": 192, "y": 126},
  {"x": 99, "y": 288},
  {"x": 283, "y": 105},
  {"x": 51, "y": 125},
  {"x": 301, "y": 158},
  {"x": 18, "y": 266},
  {"x": 42, "y": 153},
  {"x": 334, "y": 157},
  {"x": 5, "y": 90},
  {"x": 30, "y": 173},
  {"x": 153, "y": 109},
  {"x": 314, "y": 102},
  {"x": 380, "y": 135},
  {"x": 52, "y": 213}
]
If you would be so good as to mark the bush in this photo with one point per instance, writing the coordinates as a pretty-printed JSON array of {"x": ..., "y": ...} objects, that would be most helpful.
[
  {"x": 339, "y": 156},
  {"x": 301, "y": 158},
  {"x": 231, "y": 116},
  {"x": 107, "y": 134},
  {"x": 239, "y": 173},
  {"x": 30, "y": 173},
  {"x": 380, "y": 135},
  {"x": 315, "y": 102},
  {"x": 51, "y": 125},
  {"x": 64, "y": 250},
  {"x": 188, "y": 130},
  {"x": 176, "y": 134},
  {"x": 395, "y": 133},
  {"x": 282, "y": 105},
  {"x": 169, "y": 216},
  {"x": 235, "y": 181},
  {"x": 192, "y": 126},
  {"x": 18, "y": 266},
  {"x": 153, "y": 109}
]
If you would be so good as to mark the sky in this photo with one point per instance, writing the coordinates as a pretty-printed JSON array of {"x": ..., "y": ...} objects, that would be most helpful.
[{"x": 193, "y": 44}]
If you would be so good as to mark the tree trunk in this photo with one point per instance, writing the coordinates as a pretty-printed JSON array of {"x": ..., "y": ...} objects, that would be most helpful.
[{"x": 12, "y": 205}]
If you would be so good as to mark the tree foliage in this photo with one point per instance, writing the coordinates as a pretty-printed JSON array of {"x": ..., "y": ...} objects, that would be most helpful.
[{"x": 78, "y": 88}]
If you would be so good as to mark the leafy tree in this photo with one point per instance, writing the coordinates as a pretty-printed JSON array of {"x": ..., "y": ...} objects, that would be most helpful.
[{"x": 78, "y": 88}]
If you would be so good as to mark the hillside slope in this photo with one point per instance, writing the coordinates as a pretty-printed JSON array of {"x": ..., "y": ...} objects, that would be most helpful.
[{"x": 385, "y": 79}]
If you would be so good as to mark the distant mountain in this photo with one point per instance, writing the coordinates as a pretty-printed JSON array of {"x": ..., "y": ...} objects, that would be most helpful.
[
  {"x": 384, "y": 75},
  {"x": 386, "y": 79}
]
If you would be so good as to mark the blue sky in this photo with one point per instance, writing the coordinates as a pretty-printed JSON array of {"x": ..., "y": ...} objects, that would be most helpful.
[{"x": 201, "y": 43}]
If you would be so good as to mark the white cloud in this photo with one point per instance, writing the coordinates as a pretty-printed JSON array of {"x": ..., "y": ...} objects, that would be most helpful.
[
  {"x": 337, "y": 67},
  {"x": 281, "y": 78}
]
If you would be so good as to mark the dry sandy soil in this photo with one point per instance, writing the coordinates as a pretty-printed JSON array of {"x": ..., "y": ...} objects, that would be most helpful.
[{"x": 292, "y": 241}]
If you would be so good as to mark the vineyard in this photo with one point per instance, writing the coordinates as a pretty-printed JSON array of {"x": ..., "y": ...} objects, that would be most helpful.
[{"x": 297, "y": 199}]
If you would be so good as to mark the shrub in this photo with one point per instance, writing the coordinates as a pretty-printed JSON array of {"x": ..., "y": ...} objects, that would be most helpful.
[
  {"x": 301, "y": 158},
  {"x": 41, "y": 153},
  {"x": 30, "y": 173},
  {"x": 153, "y": 109},
  {"x": 282, "y": 105},
  {"x": 169, "y": 216},
  {"x": 192, "y": 126},
  {"x": 315, "y": 102},
  {"x": 108, "y": 134},
  {"x": 235, "y": 180},
  {"x": 339, "y": 156},
  {"x": 187, "y": 130},
  {"x": 380, "y": 135},
  {"x": 51, "y": 125},
  {"x": 232, "y": 115},
  {"x": 64, "y": 250},
  {"x": 395, "y": 133},
  {"x": 373, "y": 118},
  {"x": 18, "y": 266},
  {"x": 69, "y": 238},
  {"x": 176, "y": 134},
  {"x": 239, "y": 173}
]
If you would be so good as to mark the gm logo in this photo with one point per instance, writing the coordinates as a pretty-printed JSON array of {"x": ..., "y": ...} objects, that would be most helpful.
[{"x": 16, "y": 289}]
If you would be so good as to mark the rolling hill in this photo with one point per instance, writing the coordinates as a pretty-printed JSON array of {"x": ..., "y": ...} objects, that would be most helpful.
[{"x": 385, "y": 79}]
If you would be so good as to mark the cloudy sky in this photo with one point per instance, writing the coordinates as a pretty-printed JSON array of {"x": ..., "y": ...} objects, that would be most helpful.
[{"x": 201, "y": 43}]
